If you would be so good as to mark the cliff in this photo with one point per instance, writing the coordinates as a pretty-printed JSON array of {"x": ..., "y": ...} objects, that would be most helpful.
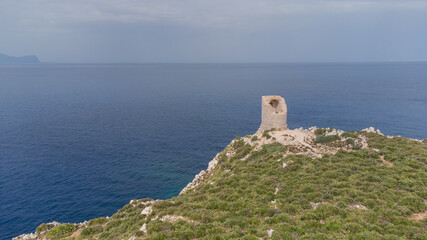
[{"x": 285, "y": 184}]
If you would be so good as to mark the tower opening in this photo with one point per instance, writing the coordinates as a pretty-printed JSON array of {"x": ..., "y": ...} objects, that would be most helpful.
[{"x": 274, "y": 103}]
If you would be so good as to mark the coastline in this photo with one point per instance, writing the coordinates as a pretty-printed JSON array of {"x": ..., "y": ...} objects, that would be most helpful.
[{"x": 300, "y": 139}]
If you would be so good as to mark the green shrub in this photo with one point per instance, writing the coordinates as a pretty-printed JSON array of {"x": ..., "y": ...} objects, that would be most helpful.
[
  {"x": 320, "y": 131},
  {"x": 266, "y": 135},
  {"x": 327, "y": 139},
  {"x": 333, "y": 225},
  {"x": 350, "y": 134},
  {"x": 97, "y": 221},
  {"x": 415, "y": 204},
  {"x": 241, "y": 149},
  {"x": 90, "y": 231},
  {"x": 41, "y": 228},
  {"x": 254, "y": 138},
  {"x": 274, "y": 147},
  {"x": 61, "y": 231},
  {"x": 44, "y": 226},
  {"x": 357, "y": 147}
]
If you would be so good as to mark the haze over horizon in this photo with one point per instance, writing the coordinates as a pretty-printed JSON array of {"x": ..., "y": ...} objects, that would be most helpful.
[{"x": 108, "y": 31}]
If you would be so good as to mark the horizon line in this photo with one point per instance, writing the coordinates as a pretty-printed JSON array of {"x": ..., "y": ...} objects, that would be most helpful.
[{"x": 301, "y": 62}]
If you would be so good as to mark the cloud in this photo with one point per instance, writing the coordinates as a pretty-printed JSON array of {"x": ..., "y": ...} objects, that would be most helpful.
[
  {"x": 195, "y": 13},
  {"x": 219, "y": 31}
]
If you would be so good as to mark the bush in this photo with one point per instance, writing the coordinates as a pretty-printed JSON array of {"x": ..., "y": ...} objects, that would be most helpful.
[
  {"x": 254, "y": 138},
  {"x": 266, "y": 135},
  {"x": 97, "y": 221},
  {"x": 90, "y": 231},
  {"x": 320, "y": 131},
  {"x": 350, "y": 134},
  {"x": 357, "y": 147},
  {"x": 326, "y": 139},
  {"x": 61, "y": 231},
  {"x": 44, "y": 227},
  {"x": 413, "y": 203},
  {"x": 41, "y": 228},
  {"x": 241, "y": 149}
]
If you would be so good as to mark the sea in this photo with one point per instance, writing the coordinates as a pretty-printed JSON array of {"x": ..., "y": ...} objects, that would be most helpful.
[{"x": 79, "y": 141}]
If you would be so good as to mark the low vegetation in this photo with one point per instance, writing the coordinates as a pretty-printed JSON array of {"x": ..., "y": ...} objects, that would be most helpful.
[
  {"x": 326, "y": 139},
  {"x": 61, "y": 231},
  {"x": 260, "y": 194},
  {"x": 266, "y": 135}
]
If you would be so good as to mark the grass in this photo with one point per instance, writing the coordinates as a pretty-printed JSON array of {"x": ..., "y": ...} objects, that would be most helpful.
[{"x": 238, "y": 203}]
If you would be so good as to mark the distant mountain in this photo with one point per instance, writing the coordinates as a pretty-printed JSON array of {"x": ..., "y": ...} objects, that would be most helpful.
[{"x": 24, "y": 59}]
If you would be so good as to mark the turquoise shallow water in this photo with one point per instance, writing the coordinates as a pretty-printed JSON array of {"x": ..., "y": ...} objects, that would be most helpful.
[{"x": 80, "y": 141}]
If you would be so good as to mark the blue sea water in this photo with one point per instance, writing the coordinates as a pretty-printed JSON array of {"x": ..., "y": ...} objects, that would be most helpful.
[{"x": 80, "y": 141}]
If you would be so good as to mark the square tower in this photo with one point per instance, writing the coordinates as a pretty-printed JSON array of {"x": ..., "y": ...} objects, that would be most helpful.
[{"x": 274, "y": 113}]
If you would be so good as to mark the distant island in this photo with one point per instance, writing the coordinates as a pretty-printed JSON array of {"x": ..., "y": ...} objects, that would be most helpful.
[{"x": 5, "y": 59}]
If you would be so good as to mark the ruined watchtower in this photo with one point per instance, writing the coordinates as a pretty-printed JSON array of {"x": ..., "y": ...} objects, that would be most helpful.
[{"x": 274, "y": 113}]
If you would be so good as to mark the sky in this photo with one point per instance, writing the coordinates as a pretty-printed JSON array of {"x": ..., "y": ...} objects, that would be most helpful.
[{"x": 181, "y": 31}]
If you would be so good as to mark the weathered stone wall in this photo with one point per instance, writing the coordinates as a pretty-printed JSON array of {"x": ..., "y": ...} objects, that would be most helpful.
[{"x": 274, "y": 113}]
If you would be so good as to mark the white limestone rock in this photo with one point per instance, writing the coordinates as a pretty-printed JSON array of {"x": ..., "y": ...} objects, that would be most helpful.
[
  {"x": 372, "y": 130},
  {"x": 270, "y": 232},
  {"x": 147, "y": 211},
  {"x": 143, "y": 228}
]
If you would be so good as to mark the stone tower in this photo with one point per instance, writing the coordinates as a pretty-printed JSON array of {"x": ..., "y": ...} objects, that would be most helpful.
[{"x": 274, "y": 113}]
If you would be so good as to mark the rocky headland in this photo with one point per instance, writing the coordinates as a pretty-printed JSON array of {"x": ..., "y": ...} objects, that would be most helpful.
[{"x": 283, "y": 184}]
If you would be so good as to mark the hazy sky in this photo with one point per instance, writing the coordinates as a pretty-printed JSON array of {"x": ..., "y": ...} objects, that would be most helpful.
[{"x": 215, "y": 30}]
